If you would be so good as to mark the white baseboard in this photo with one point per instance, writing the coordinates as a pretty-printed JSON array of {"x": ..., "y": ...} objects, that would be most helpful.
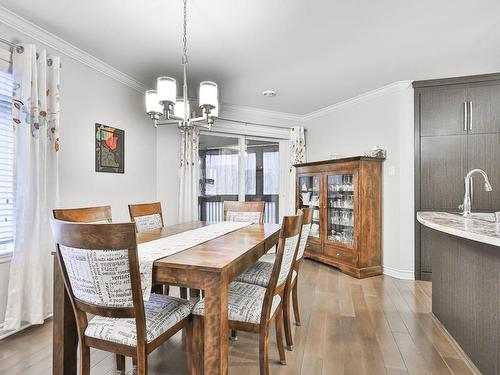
[{"x": 399, "y": 274}]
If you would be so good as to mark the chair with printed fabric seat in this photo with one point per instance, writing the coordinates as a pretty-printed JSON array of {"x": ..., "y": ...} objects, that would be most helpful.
[
  {"x": 260, "y": 274},
  {"x": 101, "y": 276},
  {"x": 252, "y": 308}
]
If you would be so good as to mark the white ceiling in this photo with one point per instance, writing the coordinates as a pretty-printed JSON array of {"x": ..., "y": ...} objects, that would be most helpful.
[{"x": 313, "y": 53}]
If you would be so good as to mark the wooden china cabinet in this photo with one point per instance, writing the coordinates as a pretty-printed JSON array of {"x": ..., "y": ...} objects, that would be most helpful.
[{"x": 346, "y": 195}]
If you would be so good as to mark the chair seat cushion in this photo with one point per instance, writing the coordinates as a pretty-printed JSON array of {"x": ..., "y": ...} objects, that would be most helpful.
[
  {"x": 162, "y": 312},
  {"x": 244, "y": 303},
  {"x": 260, "y": 273},
  {"x": 269, "y": 258}
]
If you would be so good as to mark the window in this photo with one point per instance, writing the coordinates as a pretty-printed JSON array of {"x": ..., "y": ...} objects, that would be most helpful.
[
  {"x": 271, "y": 175},
  {"x": 238, "y": 168},
  {"x": 7, "y": 214}
]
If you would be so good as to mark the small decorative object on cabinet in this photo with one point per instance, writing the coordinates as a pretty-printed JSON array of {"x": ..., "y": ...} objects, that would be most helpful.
[{"x": 346, "y": 195}]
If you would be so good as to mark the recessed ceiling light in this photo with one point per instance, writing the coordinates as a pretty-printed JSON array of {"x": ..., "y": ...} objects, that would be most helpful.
[{"x": 269, "y": 93}]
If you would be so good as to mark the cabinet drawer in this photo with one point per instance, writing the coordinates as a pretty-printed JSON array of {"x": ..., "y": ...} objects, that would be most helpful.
[
  {"x": 342, "y": 256},
  {"x": 313, "y": 246}
]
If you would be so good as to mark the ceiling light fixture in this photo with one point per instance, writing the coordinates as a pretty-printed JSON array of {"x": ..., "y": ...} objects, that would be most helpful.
[
  {"x": 163, "y": 102},
  {"x": 269, "y": 93}
]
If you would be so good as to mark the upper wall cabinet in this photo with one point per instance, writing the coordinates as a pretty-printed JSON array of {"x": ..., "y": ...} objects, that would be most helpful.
[
  {"x": 484, "y": 109},
  {"x": 442, "y": 112},
  {"x": 460, "y": 109}
]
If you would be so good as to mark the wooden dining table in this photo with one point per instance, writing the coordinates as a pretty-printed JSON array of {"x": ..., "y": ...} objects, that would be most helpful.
[{"x": 209, "y": 266}]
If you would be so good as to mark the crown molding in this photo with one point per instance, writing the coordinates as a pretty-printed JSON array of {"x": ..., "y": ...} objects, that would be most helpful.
[
  {"x": 261, "y": 112},
  {"x": 384, "y": 90},
  {"x": 33, "y": 31}
]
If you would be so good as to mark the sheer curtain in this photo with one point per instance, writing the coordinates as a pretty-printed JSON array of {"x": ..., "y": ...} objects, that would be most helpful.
[
  {"x": 297, "y": 156},
  {"x": 223, "y": 170},
  {"x": 189, "y": 176},
  {"x": 35, "y": 115}
]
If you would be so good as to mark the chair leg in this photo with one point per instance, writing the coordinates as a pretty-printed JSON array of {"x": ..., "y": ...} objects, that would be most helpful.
[
  {"x": 84, "y": 360},
  {"x": 194, "y": 337},
  {"x": 120, "y": 364},
  {"x": 234, "y": 335},
  {"x": 279, "y": 337},
  {"x": 287, "y": 319},
  {"x": 183, "y": 292},
  {"x": 142, "y": 361},
  {"x": 295, "y": 294},
  {"x": 134, "y": 364},
  {"x": 264, "y": 350}
]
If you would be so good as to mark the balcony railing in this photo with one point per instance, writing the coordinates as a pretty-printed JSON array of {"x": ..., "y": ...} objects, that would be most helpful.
[{"x": 212, "y": 208}]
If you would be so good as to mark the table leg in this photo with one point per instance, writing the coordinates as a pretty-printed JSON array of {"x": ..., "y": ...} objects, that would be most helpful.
[
  {"x": 65, "y": 336},
  {"x": 216, "y": 326}
]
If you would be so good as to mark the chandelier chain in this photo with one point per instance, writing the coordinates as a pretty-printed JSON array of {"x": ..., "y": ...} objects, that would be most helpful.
[{"x": 184, "y": 39}]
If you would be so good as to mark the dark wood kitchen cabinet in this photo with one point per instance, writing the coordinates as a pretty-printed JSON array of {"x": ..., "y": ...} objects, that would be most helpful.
[{"x": 457, "y": 128}]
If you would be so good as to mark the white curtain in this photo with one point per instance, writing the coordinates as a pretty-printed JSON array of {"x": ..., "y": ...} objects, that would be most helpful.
[
  {"x": 297, "y": 145},
  {"x": 35, "y": 115},
  {"x": 189, "y": 176},
  {"x": 297, "y": 156}
]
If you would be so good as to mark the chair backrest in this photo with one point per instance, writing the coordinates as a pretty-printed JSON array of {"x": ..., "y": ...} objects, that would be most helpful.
[
  {"x": 306, "y": 228},
  {"x": 100, "y": 267},
  {"x": 286, "y": 253},
  {"x": 146, "y": 216},
  {"x": 100, "y": 214},
  {"x": 244, "y": 211}
]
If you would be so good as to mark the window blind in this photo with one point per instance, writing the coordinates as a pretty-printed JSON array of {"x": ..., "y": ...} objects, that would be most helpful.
[{"x": 7, "y": 214}]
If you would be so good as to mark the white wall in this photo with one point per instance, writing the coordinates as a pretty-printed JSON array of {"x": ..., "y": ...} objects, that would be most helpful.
[
  {"x": 168, "y": 142},
  {"x": 382, "y": 117}
]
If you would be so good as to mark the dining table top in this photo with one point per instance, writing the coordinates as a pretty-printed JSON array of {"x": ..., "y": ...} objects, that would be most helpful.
[{"x": 214, "y": 255}]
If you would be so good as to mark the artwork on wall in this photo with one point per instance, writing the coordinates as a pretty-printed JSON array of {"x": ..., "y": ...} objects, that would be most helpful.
[{"x": 109, "y": 149}]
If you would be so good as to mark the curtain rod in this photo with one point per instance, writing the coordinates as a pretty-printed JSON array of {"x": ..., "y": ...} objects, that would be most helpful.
[{"x": 19, "y": 48}]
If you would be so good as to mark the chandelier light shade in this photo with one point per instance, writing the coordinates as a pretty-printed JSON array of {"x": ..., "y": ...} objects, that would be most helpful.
[
  {"x": 180, "y": 109},
  {"x": 153, "y": 105},
  {"x": 208, "y": 96},
  {"x": 167, "y": 89},
  {"x": 162, "y": 102}
]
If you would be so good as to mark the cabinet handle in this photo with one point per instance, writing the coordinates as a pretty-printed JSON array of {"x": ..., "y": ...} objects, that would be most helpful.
[
  {"x": 470, "y": 115},
  {"x": 466, "y": 115}
]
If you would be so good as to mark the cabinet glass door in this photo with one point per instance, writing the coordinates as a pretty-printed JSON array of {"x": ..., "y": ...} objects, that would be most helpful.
[
  {"x": 340, "y": 209},
  {"x": 309, "y": 190}
]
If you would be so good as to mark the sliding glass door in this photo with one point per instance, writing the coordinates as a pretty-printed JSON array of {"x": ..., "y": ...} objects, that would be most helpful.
[
  {"x": 262, "y": 176},
  {"x": 238, "y": 168}
]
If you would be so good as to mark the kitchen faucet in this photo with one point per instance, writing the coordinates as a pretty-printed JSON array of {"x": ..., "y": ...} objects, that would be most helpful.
[{"x": 466, "y": 206}]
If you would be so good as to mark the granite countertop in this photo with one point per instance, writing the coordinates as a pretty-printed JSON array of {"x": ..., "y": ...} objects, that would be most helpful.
[{"x": 471, "y": 228}]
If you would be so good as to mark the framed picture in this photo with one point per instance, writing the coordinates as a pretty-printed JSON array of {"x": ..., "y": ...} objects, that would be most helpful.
[{"x": 109, "y": 149}]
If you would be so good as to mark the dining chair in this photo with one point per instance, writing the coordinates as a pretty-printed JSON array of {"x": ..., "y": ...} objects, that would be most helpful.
[
  {"x": 244, "y": 211},
  {"x": 96, "y": 215},
  {"x": 252, "y": 308},
  {"x": 146, "y": 216},
  {"x": 100, "y": 268},
  {"x": 260, "y": 274}
]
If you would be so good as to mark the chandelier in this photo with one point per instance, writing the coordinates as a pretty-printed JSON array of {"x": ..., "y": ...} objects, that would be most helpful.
[{"x": 163, "y": 103}]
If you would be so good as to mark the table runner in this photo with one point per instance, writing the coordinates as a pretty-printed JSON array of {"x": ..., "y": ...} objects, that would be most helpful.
[{"x": 151, "y": 251}]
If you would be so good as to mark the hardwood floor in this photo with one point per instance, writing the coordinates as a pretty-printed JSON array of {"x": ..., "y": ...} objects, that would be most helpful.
[{"x": 378, "y": 325}]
